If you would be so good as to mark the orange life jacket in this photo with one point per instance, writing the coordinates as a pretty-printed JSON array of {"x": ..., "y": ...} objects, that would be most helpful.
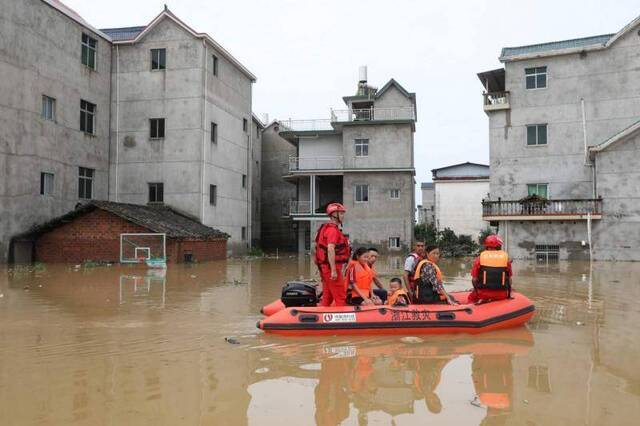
[
  {"x": 416, "y": 277},
  {"x": 360, "y": 275},
  {"x": 493, "y": 270},
  {"x": 343, "y": 250},
  {"x": 393, "y": 298}
]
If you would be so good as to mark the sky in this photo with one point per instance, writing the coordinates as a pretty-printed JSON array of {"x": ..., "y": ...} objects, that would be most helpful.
[{"x": 306, "y": 54}]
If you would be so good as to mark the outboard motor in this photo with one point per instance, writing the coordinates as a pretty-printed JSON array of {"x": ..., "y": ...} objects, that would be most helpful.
[{"x": 297, "y": 293}]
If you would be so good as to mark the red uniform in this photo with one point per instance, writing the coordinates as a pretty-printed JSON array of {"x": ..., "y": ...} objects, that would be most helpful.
[
  {"x": 332, "y": 290},
  {"x": 484, "y": 293}
]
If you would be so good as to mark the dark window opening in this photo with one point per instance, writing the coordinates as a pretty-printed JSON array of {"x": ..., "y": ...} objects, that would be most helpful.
[
  {"x": 156, "y": 192},
  {"x": 158, "y": 59},
  {"x": 156, "y": 128}
]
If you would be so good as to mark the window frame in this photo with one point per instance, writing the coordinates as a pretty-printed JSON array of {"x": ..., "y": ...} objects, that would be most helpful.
[
  {"x": 537, "y": 191},
  {"x": 214, "y": 65},
  {"x": 363, "y": 144},
  {"x": 161, "y": 60},
  {"x": 87, "y": 45},
  {"x": 243, "y": 233},
  {"x": 86, "y": 176},
  {"x": 157, "y": 188},
  {"x": 160, "y": 123},
  {"x": 214, "y": 132},
  {"x": 46, "y": 190},
  {"x": 213, "y": 194},
  {"x": 362, "y": 187},
  {"x": 84, "y": 115},
  {"x": 537, "y": 128},
  {"x": 535, "y": 73},
  {"x": 245, "y": 125},
  {"x": 394, "y": 246},
  {"x": 244, "y": 181},
  {"x": 52, "y": 102},
  {"x": 397, "y": 192}
]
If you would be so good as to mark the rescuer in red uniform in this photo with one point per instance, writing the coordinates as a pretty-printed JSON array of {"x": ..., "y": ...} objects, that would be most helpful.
[
  {"x": 332, "y": 252},
  {"x": 491, "y": 273}
]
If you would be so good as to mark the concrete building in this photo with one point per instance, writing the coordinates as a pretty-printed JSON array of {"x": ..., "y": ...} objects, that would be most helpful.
[
  {"x": 361, "y": 157},
  {"x": 563, "y": 130},
  {"x": 152, "y": 114},
  {"x": 427, "y": 210},
  {"x": 54, "y": 114},
  {"x": 255, "y": 180},
  {"x": 459, "y": 191}
]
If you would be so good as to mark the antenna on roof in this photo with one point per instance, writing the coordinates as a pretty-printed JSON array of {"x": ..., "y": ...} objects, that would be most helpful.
[{"x": 166, "y": 7}]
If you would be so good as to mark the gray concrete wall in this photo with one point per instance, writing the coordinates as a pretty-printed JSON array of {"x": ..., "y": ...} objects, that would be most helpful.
[
  {"x": 41, "y": 55},
  {"x": 256, "y": 182},
  {"x": 390, "y": 146},
  {"x": 428, "y": 205},
  {"x": 276, "y": 230}
]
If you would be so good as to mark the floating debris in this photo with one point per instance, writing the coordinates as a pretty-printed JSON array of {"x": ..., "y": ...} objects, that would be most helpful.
[
  {"x": 231, "y": 340},
  {"x": 411, "y": 340}
]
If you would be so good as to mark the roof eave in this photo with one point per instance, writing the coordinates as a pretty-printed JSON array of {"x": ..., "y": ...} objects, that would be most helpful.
[{"x": 557, "y": 52}]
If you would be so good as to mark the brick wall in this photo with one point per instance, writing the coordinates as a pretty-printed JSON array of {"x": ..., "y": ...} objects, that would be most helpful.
[{"x": 96, "y": 236}]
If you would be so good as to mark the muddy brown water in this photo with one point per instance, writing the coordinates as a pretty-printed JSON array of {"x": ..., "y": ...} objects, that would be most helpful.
[{"x": 128, "y": 346}]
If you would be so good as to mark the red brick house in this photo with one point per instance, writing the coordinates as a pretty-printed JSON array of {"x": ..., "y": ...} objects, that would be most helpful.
[{"x": 92, "y": 231}]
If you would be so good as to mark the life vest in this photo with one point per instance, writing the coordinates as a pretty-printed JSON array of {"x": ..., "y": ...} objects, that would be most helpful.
[
  {"x": 393, "y": 298},
  {"x": 493, "y": 270},
  {"x": 360, "y": 275},
  {"x": 343, "y": 251},
  {"x": 417, "y": 258},
  {"x": 427, "y": 292}
]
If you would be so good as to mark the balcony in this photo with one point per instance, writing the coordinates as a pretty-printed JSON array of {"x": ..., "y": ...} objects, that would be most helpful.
[
  {"x": 569, "y": 209},
  {"x": 297, "y": 164},
  {"x": 494, "y": 101},
  {"x": 372, "y": 114}
]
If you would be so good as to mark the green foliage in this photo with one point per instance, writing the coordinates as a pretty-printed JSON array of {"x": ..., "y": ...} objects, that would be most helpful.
[
  {"x": 484, "y": 234},
  {"x": 451, "y": 245},
  {"x": 256, "y": 252}
]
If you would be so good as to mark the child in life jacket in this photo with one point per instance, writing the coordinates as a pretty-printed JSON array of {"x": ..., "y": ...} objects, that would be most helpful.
[{"x": 397, "y": 295}]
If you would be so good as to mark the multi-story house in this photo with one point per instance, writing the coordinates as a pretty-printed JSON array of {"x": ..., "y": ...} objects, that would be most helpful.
[
  {"x": 564, "y": 142},
  {"x": 55, "y": 80},
  {"x": 152, "y": 114},
  {"x": 427, "y": 210},
  {"x": 362, "y": 157}
]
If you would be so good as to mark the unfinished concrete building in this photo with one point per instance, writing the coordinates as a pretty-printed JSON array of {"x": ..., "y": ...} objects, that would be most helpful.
[
  {"x": 362, "y": 157},
  {"x": 564, "y": 138}
]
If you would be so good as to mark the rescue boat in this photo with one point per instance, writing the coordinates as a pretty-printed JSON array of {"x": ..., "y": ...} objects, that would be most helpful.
[{"x": 413, "y": 319}]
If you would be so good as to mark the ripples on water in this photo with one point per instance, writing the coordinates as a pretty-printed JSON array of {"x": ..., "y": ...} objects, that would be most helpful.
[{"x": 123, "y": 345}]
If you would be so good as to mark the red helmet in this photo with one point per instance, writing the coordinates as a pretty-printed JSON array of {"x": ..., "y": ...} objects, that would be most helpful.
[
  {"x": 335, "y": 207},
  {"x": 493, "y": 241}
]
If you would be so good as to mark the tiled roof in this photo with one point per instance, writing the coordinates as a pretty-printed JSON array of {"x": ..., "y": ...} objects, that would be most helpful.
[
  {"x": 427, "y": 185},
  {"x": 126, "y": 33},
  {"x": 508, "y": 52},
  {"x": 161, "y": 219}
]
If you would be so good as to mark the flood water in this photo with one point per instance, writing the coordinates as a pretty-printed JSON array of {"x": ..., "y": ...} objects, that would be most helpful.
[{"x": 125, "y": 346}]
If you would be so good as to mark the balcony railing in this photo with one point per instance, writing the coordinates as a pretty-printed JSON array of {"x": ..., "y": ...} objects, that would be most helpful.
[
  {"x": 305, "y": 125},
  {"x": 370, "y": 114},
  {"x": 315, "y": 163},
  {"x": 542, "y": 209},
  {"x": 496, "y": 100}
]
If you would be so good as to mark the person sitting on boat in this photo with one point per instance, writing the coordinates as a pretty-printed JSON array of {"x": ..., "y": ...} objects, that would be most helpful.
[
  {"x": 372, "y": 257},
  {"x": 397, "y": 296},
  {"x": 491, "y": 273},
  {"x": 428, "y": 280},
  {"x": 358, "y": 278},
  {"x": 410, "y": 264}
]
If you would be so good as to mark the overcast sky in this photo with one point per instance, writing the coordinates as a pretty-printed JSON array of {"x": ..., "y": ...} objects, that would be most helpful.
[{"x": 306, "y": 53}]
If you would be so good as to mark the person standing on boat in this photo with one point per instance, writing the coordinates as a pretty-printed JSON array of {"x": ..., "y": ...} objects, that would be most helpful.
[
  {"x": 332, "y": 252},
  {"x": 428, "y": 279},
  {"x": 410, "y": 264},
  {"x": 491, "y": 273}
]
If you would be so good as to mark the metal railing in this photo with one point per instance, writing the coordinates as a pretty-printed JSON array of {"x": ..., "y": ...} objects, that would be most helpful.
[
  {"x": 316, "y": 163},
  {"x": 370, "y": 114},
  {"x": 496, "y": 100},
  {"x": 568, "y": 207},
  {"x": 305, "y": 125},
  {"x": 299, "y": 207}
]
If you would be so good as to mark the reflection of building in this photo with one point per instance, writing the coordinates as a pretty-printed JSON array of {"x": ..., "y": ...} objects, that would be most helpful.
[
  {"x": 459, "y": 191},
  {"x": 427, "y": 210},
  {"x": 564, "y": 136}
]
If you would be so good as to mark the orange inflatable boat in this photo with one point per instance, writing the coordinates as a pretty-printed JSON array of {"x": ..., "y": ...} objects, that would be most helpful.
[{"x": 412, "y": 319}]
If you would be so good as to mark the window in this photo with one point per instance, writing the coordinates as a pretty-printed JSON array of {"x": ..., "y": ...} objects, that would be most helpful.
[
  {"x": 85, "y": 183},
  {"x": 394, "y": 194},
  {"x": 244, "y": 181},
  {"x": 214, "y": 132},
  {"x": 89, "y": 51},
  {"x": 48, "y": 108},
  {"x": 244, "y": 233},
  {"x": 244, "y": 124},
  {"x": 258, "y": 132},
  {"x": 536, "y": 134},
  {"x": 158, "y": 59},
  {"x": 536, "y": 78},
  {"x": 156, "y": 128},
  {"x": 362, "y": 193},
  {"x": 539, "y": 189},
  {"x": 214, "y": 66},
  {"x": 46, "y": 183},
  {"x": 156, "y": 192},
  {"x": 213, "y": 194},
  {"x": 362, "y": 147},
  {"x": 394, "y": 242},
  {"x": 87, "y": 117},
  {"x": 547, "y": 252}
]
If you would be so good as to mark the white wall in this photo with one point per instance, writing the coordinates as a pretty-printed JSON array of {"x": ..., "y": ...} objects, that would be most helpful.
[{"x": 459, "y": 206}]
